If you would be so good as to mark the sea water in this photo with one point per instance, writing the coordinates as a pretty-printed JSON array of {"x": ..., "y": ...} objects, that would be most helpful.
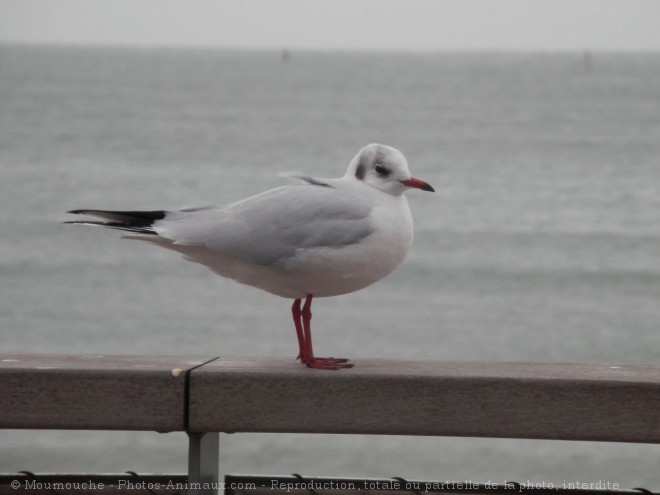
[{"x": 542, "y": 242}]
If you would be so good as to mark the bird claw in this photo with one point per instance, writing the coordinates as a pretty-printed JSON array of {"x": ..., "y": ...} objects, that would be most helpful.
[
  {"x": 325, "y": 363},
  {"x": 331, "y": 360},
  {"x": 329, "y": 363},
  {"x": 323, "y": 359}
]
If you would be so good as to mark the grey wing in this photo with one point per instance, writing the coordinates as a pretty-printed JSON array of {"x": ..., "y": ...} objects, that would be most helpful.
[{"x": 271, "y": 227}]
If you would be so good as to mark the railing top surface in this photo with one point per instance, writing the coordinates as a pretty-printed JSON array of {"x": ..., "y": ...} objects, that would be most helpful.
[
  {"x": 109, "y": 362},
  {"x": 574, "y": 401},
  {"x": 395, "y": 368},
  {"x": 365, "y": 368}
]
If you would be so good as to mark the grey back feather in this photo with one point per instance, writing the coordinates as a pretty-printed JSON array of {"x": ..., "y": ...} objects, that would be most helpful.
[{"x": 270, "y": 227}]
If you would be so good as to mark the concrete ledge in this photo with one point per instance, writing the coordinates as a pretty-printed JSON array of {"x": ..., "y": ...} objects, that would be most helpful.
[
  {"x": 617, "y": 402},
  {"x": 484, "y": 399},
  {"x": 95, "y": 392}
]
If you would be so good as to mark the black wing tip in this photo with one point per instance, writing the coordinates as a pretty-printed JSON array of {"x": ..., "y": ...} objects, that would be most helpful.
[
  {"x": 130, "y": 221},
  {"x": 143, "y": 215}
]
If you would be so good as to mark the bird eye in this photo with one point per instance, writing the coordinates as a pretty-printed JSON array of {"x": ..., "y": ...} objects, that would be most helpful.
[{"x": 381, "y": 170}]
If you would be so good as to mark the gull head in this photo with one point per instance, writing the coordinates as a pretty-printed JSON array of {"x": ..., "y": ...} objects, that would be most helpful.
[{"x": 384, "y": 168}]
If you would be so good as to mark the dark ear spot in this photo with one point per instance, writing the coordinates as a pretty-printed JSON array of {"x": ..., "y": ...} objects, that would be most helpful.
[
  {"x": 365, "y": 163},
  {"x": 360, "y": 170}
]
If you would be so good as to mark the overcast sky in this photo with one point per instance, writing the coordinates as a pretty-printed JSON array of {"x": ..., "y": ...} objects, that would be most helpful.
[{"x": 340, "y": 24}]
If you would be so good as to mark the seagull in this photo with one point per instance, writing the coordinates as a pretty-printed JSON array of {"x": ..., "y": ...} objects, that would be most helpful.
[{"x": 312, "y": 238}]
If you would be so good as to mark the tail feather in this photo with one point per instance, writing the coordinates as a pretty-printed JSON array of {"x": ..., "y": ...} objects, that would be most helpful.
[{"x": 131, "y": 221}]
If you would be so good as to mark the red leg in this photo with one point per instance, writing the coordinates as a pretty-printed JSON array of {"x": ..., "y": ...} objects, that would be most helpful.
[
  {"x": 307, "y": 329},
  {"x": 308, "y": 358},
  {"x": 295, "y": 311}
]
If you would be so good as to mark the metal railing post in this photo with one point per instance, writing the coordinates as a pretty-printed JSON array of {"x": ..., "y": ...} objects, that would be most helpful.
[{"x": 203, "y": 463}]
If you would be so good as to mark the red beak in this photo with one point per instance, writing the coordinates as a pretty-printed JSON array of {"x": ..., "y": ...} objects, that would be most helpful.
[{"x": 417, "y": 184}]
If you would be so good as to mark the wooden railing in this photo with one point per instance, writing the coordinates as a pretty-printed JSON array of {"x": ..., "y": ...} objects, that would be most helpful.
[{"x": 204, "y": 395}]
